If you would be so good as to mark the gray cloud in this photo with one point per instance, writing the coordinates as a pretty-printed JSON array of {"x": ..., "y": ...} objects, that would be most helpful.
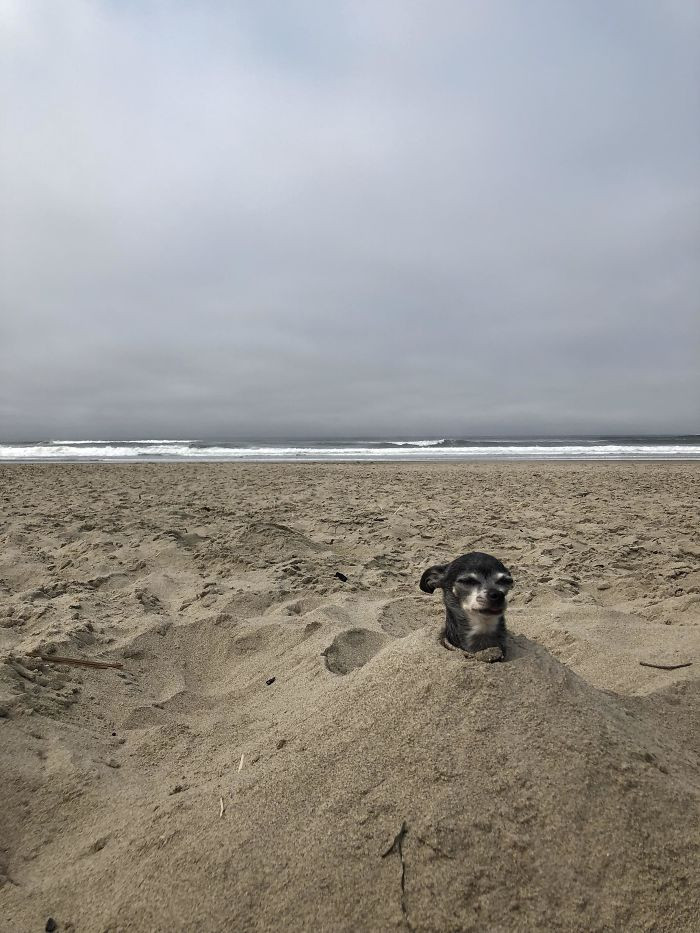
[{"x": 224, "y": 219}]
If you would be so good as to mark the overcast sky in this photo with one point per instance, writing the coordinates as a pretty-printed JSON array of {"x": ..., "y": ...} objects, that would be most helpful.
[{"x": 349, "y": 218}]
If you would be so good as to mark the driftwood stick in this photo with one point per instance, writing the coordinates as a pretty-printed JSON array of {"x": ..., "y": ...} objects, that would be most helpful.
[
  {"x": 666, "y": 667},
  {"x": 78, "y": 662}
]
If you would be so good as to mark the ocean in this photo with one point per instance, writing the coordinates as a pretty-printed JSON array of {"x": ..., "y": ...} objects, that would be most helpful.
[{"x": 671, "y": 447}]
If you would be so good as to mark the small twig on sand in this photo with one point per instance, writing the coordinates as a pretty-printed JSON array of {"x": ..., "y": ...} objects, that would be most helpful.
[
  {"x": 666, "y": 667},
  {"x": 221, "y": 807},
  {"x": 77, "y": 662},
  {"x": 240, "y": 764},
  {"x": 397, "y": 846},
  {"x": 397, "y": 510}
]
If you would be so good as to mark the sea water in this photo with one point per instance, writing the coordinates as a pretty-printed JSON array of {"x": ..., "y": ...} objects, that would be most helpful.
[{"x": 672, "y": 447}]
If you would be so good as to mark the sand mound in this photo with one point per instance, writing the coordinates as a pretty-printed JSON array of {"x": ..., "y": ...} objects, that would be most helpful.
[
  {"x": 528, "y": 798},
  {"x": 267, "y": 540}
]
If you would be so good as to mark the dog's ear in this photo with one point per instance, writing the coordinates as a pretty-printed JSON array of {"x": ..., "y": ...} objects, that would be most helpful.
[{"x": 433, "y": 578}]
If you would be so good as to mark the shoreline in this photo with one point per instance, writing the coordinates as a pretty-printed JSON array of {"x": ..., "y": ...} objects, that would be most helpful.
[{"x": 325, "y": 460}]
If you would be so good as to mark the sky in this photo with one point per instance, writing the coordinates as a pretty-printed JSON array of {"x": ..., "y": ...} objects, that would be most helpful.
[{"x": 362, "y": 218}]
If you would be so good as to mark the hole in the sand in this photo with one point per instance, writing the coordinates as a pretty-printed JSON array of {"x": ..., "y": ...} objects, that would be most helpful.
[
  {"x": 489, "y": 654},
  {"x": 352, "y": 649}
]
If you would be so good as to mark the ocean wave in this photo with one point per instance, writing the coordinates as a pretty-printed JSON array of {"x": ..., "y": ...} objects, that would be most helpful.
[
  {"x": 177, "y": 450},
  {"x": 155, "y": 440},
  {"x": 430, "y": 443}
]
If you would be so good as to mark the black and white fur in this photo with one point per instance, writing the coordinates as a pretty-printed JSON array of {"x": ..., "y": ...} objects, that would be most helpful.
[{"x": 474, "y": 588}]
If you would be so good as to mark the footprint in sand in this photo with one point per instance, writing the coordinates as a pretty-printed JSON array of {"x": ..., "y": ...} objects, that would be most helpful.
[{"x": 352, "y": 649}]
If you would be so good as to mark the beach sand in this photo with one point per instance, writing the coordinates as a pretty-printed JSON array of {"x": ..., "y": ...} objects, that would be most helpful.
[{"x": 285, "y": 750}]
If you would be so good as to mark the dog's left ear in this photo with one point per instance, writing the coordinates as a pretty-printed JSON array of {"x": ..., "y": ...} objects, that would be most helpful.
[{"x": 433, "y": 578}]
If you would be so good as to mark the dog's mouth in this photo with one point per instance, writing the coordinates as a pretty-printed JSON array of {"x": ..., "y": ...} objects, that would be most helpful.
[{"x": 492, "y": 612}]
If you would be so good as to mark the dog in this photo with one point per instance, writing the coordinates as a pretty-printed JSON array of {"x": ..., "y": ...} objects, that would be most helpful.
[{"x": 475, "y": 589}]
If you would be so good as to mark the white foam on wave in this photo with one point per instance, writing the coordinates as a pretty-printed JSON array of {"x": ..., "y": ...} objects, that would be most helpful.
[
  {"x": 57, "y": 443},
  {"x": 433, "y": 443},
  {"x": 95, "y": 450},
  {"x": 155, "y": 440}
]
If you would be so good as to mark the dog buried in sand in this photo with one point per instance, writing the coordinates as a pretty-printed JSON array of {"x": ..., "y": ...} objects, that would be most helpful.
[{"x": 474, "y": 589}]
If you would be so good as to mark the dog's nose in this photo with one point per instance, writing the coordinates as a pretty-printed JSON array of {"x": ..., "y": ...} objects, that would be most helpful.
[{"x": 496, "y": 596}]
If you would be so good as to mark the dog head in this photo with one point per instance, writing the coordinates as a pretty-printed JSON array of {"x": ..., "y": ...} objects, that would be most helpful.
[{"x": 478, "y": 582}]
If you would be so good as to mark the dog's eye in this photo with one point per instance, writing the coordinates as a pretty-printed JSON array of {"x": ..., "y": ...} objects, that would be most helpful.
[
  {"x": 506, "y": 581},
  {"x": 470, "y": 581}
]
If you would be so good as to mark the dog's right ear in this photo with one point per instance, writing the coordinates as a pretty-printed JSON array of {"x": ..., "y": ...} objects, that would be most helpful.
[{"x": 433, "y": 578}]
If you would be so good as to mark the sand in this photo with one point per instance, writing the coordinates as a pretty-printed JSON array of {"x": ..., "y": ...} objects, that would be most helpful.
[{"x": 285, "y": 750}]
